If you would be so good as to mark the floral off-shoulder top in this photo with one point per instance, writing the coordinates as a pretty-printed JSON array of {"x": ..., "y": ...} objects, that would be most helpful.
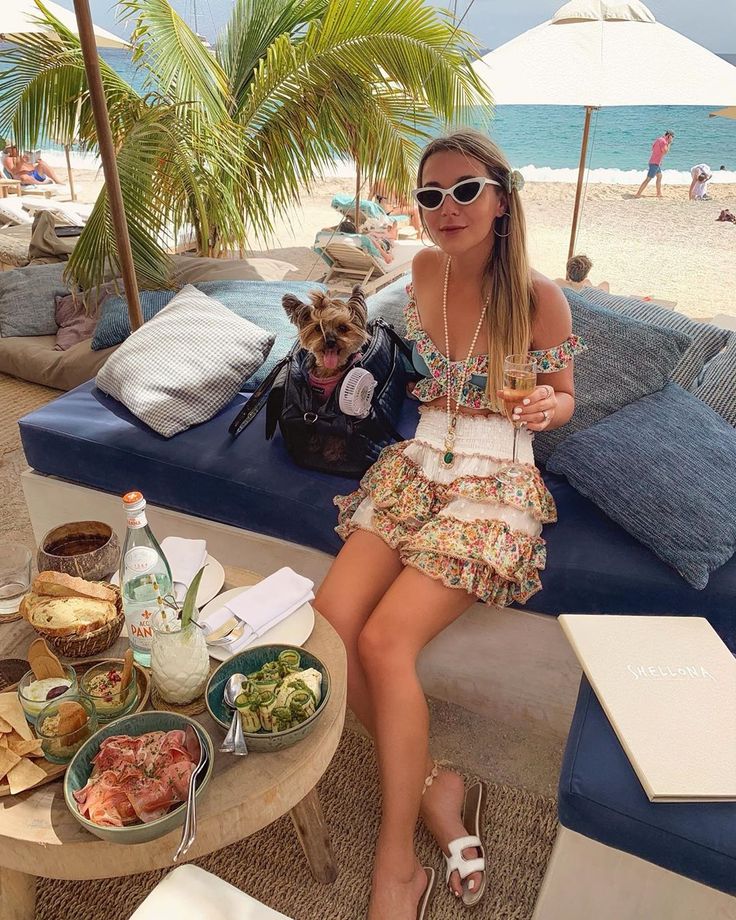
[{"x": 429, "y": 361}]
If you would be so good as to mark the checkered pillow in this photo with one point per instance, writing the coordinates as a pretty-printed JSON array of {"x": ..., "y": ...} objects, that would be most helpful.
[
  {"x": 718, "y": 387},
  {"x": 186, "y": 364}
]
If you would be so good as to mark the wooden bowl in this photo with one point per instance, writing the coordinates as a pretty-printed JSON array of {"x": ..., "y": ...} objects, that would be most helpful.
[
  {"x": 89, "y": 643},
  {"x": 85, "y": 549}
]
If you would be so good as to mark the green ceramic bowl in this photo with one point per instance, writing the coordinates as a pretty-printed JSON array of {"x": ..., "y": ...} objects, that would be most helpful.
[
  {"x": 246, "y": 662},
  {"x": 139, "y": 723}
]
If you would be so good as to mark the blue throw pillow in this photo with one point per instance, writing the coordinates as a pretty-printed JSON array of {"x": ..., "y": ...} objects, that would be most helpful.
[
  {"x": 257, "y": 301},
  {"x": 707, "y": 339},
  {"x": 718, "y": 386},
  {"x": 664, "y": 468},
  {"x": 626, "y": 359}
]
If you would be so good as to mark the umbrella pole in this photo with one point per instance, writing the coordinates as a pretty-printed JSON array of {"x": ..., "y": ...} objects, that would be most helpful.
[
  {"x": 581, "y": 170},
  {"x": 357, "y": 195},
  {"x": 109, "y": 163},
  {"x": 69, "y": 171}
]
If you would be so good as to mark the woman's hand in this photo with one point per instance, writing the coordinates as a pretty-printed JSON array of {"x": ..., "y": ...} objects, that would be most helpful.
[{"x": 537, "y": 410}]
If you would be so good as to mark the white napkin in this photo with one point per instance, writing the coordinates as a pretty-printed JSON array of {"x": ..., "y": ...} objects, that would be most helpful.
[
  {"x": 264, "y": 605},
  {"x": 186, "y": 558}
]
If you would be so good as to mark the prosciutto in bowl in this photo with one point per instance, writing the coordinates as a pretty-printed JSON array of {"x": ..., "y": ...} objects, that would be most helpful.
[
  {"x": 137, "y": 779},
  {"x": 129, "y": 781}
]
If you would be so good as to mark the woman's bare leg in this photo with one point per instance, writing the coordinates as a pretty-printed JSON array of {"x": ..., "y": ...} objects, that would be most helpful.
[
  {"x": 411, "y": 612},
  {"x": 359, "y": 577}
]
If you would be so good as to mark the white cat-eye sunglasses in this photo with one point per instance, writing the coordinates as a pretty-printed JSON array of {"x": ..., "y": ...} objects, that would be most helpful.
[{"x": 465, "y": 192}]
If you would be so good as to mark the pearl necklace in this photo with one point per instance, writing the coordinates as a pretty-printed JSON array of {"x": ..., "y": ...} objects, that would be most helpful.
[{"x": 449, "y": 457}]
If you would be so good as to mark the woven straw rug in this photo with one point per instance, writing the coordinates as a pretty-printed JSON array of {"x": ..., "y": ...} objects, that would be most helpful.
[
  {"x": 520, "y": 829},
  {"x": 17, "y": 397}
]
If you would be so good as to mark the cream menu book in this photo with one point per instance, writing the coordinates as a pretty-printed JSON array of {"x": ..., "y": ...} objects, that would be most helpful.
[{"x": 668, "y": 687}]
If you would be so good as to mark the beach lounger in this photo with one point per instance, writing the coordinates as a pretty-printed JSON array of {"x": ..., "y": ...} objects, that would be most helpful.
[
  {"x": 75, "y": 213},
  {"x": 353, "y": 258},
  {"x": 13, "y": 214},
  {"x": 369, "y": 210}
]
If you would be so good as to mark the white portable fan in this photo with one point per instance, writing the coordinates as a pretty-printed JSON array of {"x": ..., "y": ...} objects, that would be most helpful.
[{"x": 356, "y": 392}]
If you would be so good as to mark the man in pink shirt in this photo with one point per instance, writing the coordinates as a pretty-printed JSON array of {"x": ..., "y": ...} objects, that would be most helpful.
[{"x": 659, "y": 148}]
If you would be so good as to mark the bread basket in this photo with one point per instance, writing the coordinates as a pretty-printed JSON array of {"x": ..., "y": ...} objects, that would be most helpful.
[{"x": 89, "y": 643}]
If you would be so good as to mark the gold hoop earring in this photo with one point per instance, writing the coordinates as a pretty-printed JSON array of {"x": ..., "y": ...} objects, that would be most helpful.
[{"x": 501, "y": 235}]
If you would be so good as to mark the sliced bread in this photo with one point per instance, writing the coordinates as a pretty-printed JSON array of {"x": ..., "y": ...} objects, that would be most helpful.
[
  {"x": 66, "y": 616},
  {"x": 59, "y": 584}
]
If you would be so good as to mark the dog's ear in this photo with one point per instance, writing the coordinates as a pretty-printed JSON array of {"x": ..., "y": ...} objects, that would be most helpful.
[
  {"x": 357, "y": 305},
  {"x": 296, "y": 310}
]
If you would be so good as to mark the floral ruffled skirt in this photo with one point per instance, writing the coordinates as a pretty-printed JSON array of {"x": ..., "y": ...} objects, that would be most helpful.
[{"x": 475, "y": 525}]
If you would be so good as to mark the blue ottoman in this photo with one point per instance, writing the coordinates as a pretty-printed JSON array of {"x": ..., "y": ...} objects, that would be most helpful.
[{"x": 620, "y": 857}]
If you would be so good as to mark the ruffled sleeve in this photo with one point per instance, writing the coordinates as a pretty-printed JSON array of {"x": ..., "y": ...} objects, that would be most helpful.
[
  {"x": 411, "y": 315},
  {"x": 549, "y": 360}
]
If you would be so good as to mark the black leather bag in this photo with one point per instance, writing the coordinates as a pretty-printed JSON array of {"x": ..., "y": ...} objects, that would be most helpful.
[{"x": 319, "y": 436}]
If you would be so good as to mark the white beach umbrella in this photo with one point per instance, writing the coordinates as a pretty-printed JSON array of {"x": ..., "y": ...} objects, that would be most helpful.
[
  {"x": 595, "y": 53},
  {"x": 19, "y": 17}
]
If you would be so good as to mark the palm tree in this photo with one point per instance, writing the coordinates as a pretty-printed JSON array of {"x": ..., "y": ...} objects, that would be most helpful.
[{"x": 225, "y": 142}]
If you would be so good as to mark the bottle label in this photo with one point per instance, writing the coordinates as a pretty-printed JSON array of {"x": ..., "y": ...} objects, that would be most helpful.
[
  {"x": 137, "y": 519},
  {"x": 140, "y": 559}
]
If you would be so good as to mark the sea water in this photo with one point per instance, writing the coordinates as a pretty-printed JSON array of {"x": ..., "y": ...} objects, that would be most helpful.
[{"x": 543, "y": 141}]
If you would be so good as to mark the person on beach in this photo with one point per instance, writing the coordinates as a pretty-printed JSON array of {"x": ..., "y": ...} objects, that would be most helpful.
[
  {"x": 576, "y": 275},
  {"x": 660, "y": 148},
  {"x": 395, "y": 204},
  {"x": 446, "y": 518},
  {"x": 22, "y": 169},
  {"x": 701, "y": 176}
]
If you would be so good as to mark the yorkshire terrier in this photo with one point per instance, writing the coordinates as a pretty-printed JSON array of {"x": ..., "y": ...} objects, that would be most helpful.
[{"x": 332, "y": 331}]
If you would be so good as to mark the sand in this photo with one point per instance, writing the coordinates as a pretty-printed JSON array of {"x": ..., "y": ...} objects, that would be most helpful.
[{"x": 669, "y": 248}]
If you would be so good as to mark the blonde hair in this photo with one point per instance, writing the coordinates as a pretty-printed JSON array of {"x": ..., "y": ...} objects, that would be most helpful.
[{"x": 507, "y": 278}]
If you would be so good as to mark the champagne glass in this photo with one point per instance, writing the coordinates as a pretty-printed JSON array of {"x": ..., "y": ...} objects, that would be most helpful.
[{"x": 519, "y": 381}]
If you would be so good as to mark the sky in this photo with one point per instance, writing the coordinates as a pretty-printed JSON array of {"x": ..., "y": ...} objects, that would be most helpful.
[{"x": 495, "y": 21}]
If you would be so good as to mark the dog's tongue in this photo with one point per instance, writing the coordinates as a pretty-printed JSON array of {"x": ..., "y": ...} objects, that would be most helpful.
[{"x": 330, "y": 358}]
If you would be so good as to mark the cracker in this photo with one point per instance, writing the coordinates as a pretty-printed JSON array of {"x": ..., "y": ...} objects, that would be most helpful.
[
  {"x": 8, "y": 760},
  {"x": 11, "y": 713},
  {"x": 24, "y": 775},
  {"x": 26, "y": 748}
]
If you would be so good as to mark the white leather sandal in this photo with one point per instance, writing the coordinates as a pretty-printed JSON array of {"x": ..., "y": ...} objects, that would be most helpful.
[{"x": 473, "y": 807}]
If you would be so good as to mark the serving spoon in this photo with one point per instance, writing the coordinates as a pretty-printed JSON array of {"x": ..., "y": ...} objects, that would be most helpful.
[
  {"x": 234, "y": 742},
  {"x": 198, "y": 751}
]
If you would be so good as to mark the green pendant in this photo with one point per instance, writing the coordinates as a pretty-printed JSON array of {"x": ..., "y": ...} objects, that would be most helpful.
[{"x": 449, "y": 457}]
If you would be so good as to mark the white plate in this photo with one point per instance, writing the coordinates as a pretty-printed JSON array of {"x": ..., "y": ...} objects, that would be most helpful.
[
  {"x": 213, "y": 578},
  {"x": 294, "y": 630}
]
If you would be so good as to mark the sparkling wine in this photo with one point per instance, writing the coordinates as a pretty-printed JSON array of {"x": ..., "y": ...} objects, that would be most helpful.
[{"x": 517, "y": 385}]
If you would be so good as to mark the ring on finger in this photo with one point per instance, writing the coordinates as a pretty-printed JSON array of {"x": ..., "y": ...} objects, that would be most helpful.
[{"x": 545, "y": 415}]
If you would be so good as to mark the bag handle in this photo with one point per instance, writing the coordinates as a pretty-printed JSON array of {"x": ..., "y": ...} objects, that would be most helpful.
[{"x": 257, "y": 400}]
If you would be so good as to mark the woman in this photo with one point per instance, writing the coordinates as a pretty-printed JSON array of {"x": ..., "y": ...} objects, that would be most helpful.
[{"x": 445, "y": 519}]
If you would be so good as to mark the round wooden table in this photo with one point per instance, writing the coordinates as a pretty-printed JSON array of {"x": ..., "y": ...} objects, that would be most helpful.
[{"x": 38, "y": 836}]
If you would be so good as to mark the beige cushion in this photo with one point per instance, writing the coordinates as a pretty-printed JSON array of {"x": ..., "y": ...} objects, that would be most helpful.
[
  {"x": 34, "y": 358},
  {"x": 190, "y": 893},
  {"x": 191, "y": 269}
]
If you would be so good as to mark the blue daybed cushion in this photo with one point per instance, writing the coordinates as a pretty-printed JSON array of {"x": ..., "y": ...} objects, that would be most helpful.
[
  {"x": 257, "y": 301},
  {"x": 626, "y": 359},
  {"x": 664, "y": 468},
  {"x": 593, "y": 565},
  {"x": 718, "y": 386},
  {"x": 601, "y": 797}
]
